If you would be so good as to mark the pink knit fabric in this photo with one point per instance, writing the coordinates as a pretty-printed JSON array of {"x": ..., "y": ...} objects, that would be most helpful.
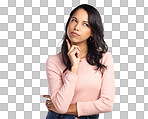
[{"x": 92, "y": 93}]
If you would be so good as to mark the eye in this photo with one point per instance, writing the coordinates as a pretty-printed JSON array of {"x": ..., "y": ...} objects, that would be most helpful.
[
  {"x": 86, "y": 24},
  {"x": 73, "y": 20}
]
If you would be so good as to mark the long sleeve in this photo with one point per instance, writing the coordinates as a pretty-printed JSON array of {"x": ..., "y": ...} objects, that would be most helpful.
[
  {"x": 61, "y": 91},
  {"x": 107, "y": 92}
]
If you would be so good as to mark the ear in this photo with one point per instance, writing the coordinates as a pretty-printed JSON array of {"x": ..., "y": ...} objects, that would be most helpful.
[{"x": 91, "y": 35}]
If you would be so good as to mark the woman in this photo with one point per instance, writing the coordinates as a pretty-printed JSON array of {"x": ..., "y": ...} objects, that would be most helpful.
[{"x": 81, "y": 76}]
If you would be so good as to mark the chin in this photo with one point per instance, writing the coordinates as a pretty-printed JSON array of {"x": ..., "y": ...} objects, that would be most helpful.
[{"x": 74, "y": 39}]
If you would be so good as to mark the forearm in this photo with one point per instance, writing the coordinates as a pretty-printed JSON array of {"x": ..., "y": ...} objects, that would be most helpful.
[{"x": 72, "y": 109}]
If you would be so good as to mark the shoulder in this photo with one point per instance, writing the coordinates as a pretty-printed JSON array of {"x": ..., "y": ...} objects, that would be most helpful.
[
  {"x": 56, "y": 61},
  {"x": 106, "y": 54},
  {"x": 107, "y": 58},
  {"x": 55, "y": 58}
]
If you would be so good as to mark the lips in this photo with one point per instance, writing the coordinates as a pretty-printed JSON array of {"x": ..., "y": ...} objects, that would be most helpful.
[{"x": 75, "y": 34}]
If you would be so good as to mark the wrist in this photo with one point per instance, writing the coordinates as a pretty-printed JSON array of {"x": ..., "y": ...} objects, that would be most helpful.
[{"x": 74, "y": 69}]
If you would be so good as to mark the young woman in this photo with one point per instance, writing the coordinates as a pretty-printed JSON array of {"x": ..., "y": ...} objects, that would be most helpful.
[{"x": 81, "y": 76}]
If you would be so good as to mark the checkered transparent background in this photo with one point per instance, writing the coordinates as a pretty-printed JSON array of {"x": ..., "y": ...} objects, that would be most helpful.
[{"x": 31, "y": 31}]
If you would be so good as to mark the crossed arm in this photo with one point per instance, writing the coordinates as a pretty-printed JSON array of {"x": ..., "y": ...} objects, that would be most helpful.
[{"x": 71, "y": 110}]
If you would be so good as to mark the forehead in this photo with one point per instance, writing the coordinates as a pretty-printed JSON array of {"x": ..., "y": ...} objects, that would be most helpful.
[{"x": 81, "y": 15}]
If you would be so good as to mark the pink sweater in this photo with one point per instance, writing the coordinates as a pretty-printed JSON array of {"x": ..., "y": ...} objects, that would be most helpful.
[{"x": 93, "y": 94}]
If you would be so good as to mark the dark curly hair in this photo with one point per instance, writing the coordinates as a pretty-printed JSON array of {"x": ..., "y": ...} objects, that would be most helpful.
[{"x": 95, "y": 48}]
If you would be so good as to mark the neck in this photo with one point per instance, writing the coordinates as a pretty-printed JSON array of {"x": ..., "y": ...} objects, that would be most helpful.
[{"x": 83, "y": 53}]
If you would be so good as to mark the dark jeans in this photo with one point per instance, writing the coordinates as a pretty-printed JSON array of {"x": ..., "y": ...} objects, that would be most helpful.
[{"x": 54, "y": 115}]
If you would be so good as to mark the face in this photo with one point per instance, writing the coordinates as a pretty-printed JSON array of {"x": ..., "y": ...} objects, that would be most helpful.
[{"x": 78, "y": 29}]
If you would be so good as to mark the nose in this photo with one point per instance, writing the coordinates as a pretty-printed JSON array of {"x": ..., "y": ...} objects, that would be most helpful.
[{"x": 77, "y": 27}]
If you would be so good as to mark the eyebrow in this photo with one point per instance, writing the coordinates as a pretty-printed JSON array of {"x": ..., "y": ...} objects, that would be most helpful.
[{"x": 76, "y": 18}]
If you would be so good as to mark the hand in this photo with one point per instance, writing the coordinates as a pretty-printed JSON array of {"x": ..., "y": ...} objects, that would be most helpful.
[
  {"x": 71, "y": 110},
  {"x": 49, "y": 104},
  {"x": 73, "y": 54}
]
